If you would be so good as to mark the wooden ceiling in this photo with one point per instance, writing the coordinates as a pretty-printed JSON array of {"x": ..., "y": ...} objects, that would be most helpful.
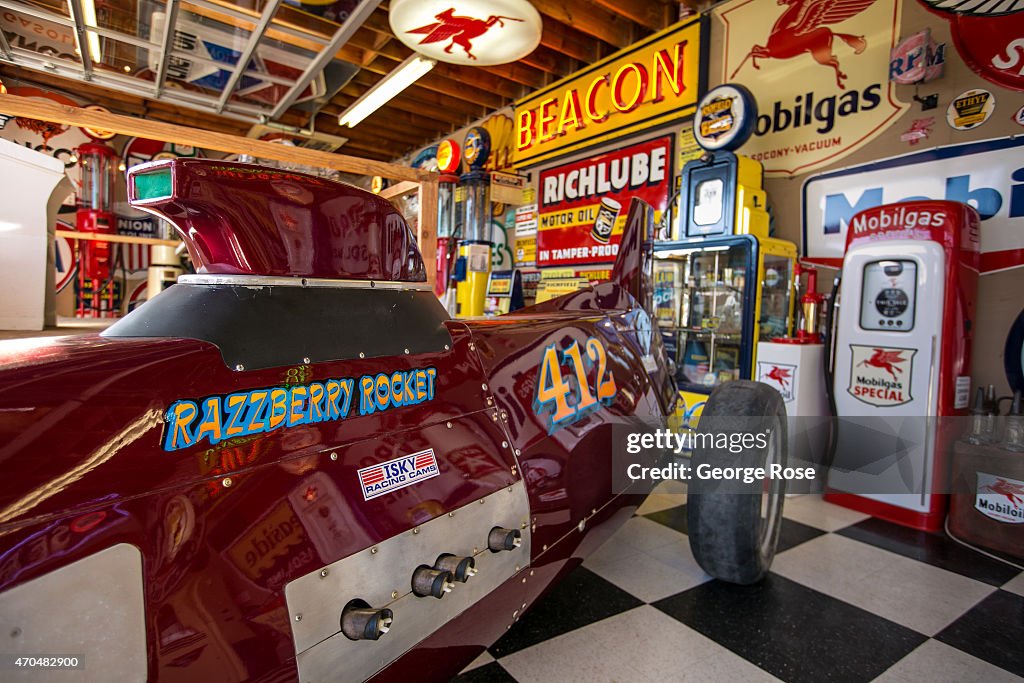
[{"x": 576, "y": 33}]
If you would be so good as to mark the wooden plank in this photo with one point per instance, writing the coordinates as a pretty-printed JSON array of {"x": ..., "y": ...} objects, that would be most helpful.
[
  {"x": 127, "y": 239},
  {"x": 590, "y": 19},
  {"x": 650, "y": 15},
  {"x": 426, "y": 227},
  {"x": 400, "y": 190},
  {"x": 13, "y": 105}
]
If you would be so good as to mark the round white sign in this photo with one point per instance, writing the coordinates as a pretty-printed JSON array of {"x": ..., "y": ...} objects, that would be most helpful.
[
  {"x": 477, "y": 32},
  {"x": 970, "y": 109}
]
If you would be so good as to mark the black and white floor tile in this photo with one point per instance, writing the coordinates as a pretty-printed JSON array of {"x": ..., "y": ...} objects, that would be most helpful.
[{"x": 849, "y": 598}]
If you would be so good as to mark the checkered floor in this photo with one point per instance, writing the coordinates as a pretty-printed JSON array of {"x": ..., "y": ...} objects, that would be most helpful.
[{"x": 849, "y": 598}]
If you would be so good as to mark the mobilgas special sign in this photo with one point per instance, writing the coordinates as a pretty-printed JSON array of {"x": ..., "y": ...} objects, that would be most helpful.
[
  {"x": 583, "y": 205},
  {"x": 819, "y": 72},
  {"x": 988, "y": 175},
  {"x": 654, "y": 82}
]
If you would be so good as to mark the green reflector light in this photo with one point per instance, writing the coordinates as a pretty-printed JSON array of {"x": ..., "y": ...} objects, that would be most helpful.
[{"x": 154, "y": 185}]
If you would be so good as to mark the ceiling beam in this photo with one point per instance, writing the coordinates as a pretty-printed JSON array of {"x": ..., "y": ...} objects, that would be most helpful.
[
  {"x": 170, "y": 19},
  {"x": 130, "y": 125},
  {"x": 317, "y": 64},
  {"x": 255, "y": 36},
  {"x": 649, "y": 14},
  {"x": 569, "y": 42},
  {"x": 590, "y": 19}
]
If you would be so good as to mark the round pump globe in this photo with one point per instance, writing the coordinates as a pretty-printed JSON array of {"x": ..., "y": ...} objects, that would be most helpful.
[{"x": 477, "y": 33}]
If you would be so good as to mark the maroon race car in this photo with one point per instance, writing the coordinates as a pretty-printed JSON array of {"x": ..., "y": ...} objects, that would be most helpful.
[{"x": 294, "y": 466}]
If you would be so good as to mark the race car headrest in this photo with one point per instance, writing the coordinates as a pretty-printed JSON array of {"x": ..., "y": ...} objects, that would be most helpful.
[{"x": 243, "y": 219}]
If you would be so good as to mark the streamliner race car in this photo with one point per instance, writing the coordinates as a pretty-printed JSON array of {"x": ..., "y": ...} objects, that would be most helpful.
[{"x": 293, "y": 465}]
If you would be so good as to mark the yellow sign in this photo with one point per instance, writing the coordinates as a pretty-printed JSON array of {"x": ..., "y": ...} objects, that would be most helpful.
[
  {"x": 549, "y": 289},
  {"x": 526, "y": 250},
  {"x": 819, "y": 73},
  {"x": 653, "y": 82}
]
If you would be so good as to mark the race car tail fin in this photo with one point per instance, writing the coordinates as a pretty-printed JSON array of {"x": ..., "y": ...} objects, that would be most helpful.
[{"x": 633, "y": 263}]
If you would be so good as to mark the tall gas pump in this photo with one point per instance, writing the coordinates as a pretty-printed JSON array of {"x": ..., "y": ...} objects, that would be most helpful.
[
  {"x": 474, "y": 265},
  {"x": 902, "y": 357},
  {"x": 96, "y": 286},
  {"x": 722, "y": 283},
  {"x": 449, "y": 158}
]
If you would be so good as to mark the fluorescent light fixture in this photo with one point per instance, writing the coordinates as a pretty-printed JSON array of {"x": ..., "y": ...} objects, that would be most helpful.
[
  {"x": 89, "y": 18},
  {"x": 395, "y": 82}
]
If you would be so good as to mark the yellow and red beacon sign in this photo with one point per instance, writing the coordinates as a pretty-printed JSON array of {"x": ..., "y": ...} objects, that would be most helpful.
[{"x": 648, "y": 84}]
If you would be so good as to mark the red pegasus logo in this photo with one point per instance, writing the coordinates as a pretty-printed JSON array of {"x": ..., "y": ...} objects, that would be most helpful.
[
  {"x": 802, "y": 28},
  {"x": 885, "y": 360},
  {"x": 780, "y": 375},
  {"x": 460, "y": 29},
  {"x": 1012, "y": 492}
]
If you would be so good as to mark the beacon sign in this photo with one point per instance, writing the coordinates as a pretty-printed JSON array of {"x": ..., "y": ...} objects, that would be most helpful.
[{"x": 988, "y": 175}]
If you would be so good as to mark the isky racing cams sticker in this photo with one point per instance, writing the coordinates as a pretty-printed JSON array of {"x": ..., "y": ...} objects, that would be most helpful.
[
  {"x": 781, "y": 376},
  {"x": 881, "y": 376},
  {"x": 1000, "y": 498},
  {"x": 385, "y": 477}
]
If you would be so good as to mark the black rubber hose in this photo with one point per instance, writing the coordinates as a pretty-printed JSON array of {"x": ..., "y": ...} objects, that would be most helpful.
[{"x": 829, "y": 366}]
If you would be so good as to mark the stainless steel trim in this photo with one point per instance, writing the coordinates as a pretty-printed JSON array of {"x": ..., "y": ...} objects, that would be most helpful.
[
  {"x": 376, "y": 574},
  {"x": 277, "y": 281},
  {"x": 360, "y": 14}
]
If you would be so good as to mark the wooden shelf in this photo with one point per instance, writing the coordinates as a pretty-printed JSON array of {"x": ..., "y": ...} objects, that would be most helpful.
[{"x": 127, "y": 239}]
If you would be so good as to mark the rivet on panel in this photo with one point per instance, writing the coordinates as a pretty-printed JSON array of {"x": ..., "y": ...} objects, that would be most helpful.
[
  {"x": 510, "y": 489},
  {"x": 524, "y": 604},
  {"x": 484, "y": 387},
  {"x": 306, "y": 360},
  {"x": 531, "y": 572},
  {"x": 523, "y": 525},
  {"x": 451, "y": 514},
  {"x": 582, "y": 525},
  {"x": 515, "y": 614},
  {"x": 513, "y": 470},
  {"x": 407, "y": 352},
  {"x": 394, "y": 594},
  {"x": 373, "y": 551},
  {"x": 298, "y": 617},
  {"x": 472, "y": 347},
  {"x": 524, "y": 579},
  {"x": 362, "y": 355},
  {"x": 504, "y": 444},
  {"x": 518, "y": 452},
  {"x": 448, "y": 425},
  {"x": 324, "y": 572},
  {"x": 447, "y": 348},
  {"x": 545, "y": 547},
  {"x": 518, "y": 568},
  {"x": 226, "y": 482},
  {"x": 483, "y": 500},
  {"x": 239, "y": 367},
  {"x": 415, "y": 531},
  {"x": 334, "y": 456},
  {"x": 508, "y": 627}
]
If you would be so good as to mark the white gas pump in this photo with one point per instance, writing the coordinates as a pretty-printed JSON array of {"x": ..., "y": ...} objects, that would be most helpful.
[{"x": 902, "y": 356}]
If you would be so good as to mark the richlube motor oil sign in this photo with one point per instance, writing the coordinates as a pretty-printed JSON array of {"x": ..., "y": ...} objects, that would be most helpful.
[{"x": 819, "y": 72}]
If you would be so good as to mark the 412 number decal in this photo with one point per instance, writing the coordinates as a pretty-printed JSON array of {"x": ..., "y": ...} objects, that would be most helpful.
[{"x": 554, "y": 390}]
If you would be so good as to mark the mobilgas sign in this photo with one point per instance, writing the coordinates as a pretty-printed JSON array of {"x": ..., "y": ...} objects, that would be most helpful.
[
  {"x": 988, "y": 175},
  {"x": 818, "y": 70}
]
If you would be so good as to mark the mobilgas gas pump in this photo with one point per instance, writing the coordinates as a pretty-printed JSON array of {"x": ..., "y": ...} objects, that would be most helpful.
[
  {"x": 449, "y": 158},
  {"x": 722, "y": 283},
  {"x": 902, "y": 357},
  {"x": 96, "y": 286},
  {"x": 475, "y": 246}
]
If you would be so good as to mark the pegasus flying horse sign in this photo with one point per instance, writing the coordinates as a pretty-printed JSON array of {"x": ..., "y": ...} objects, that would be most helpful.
[
  {"x": 819, "y": 76},
  {"x": 477, "y": 32}
]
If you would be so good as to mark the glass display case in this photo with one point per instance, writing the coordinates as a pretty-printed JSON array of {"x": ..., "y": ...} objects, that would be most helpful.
[{"x": 708, "y": 297}]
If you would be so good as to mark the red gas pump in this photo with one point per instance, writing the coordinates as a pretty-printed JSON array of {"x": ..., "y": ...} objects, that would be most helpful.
[
  {"x": 448, "y": 160},
  {"x": 96, "y": 293},
  {"x": 902, "y": 357}
]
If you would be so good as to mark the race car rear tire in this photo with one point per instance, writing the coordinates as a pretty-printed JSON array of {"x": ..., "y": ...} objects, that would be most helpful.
[{"x": 734, "y": 526}]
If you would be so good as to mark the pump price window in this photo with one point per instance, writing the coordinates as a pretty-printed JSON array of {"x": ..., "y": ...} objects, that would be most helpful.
[
  {"x": 888, "y": 294},
  {"x": 699, "y": 308}
]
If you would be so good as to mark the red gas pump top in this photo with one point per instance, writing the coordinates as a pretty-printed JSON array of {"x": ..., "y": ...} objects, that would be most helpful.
[
  {"x": 952, "y": 224},
  {"x": 242, "y": 219}
]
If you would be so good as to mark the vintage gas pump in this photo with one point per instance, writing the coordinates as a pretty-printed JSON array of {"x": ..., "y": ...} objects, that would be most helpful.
[
  {"x": 449, "y": 158},
  {"x": 475, "y": 247},
  {"x": 723, "y": 283},
  {"x": 96, "y": 286},
  {"x": 902, "y": 357}
]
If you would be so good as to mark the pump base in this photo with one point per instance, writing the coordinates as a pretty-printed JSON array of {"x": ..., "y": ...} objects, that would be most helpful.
[{"x": 930, "y": 521}]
